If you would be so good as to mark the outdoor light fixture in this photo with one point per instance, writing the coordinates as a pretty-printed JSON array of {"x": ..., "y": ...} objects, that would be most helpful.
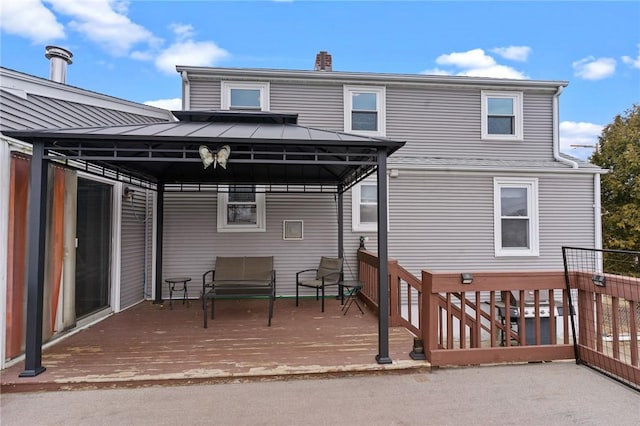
[
  {"x": 466, "y": 278},
  {"x": 363, "y": 240},
  {"x": 127, "y": 194},
  {"x": 598, "y": 280},
  {"x": 221, "y": 157}
]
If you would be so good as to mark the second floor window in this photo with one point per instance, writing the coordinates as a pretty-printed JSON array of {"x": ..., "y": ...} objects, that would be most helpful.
[
  {"x": 365, "y": 110},
  {"x": 245, "y": 96},
  {"x": 502, "y": 115}
]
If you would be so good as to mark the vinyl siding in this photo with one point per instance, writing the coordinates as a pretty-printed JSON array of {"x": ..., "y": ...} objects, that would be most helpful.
[
  {"x": 441, "y": 221},
  {"x": 434, "y": 122},
  {"x": 438, "y": 221},
  {"x": 316, "y": 105},
  {"x": 447, "y": 124},
  {"x": 191, "y": 240},
  {"x": 444, "y": 221},
  {"x": 204, "y": 94},
  {"x": 132, "y": 273}
]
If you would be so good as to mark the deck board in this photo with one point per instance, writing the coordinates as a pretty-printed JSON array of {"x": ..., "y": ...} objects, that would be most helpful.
[{"x": 150, "y": 344}]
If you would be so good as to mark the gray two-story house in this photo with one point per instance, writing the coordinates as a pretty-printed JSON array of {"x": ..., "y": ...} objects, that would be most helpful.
[{"x": 479, "y": 185}]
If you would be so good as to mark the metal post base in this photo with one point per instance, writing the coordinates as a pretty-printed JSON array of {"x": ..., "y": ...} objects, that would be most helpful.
[
  {"x": 383, "y": 359},
  {"x": 417, "y": 356},
  {"x": 32, "y": 373}
]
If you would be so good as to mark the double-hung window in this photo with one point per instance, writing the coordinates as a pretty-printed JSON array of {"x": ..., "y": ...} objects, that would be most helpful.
[
  {"x": 502, "y": 115},
  {"x": 364, "y": 206},
  {"x": 245, "y": 96},
  {"x": 365, "y": 110},
  {"x": 241, "y": 208},
  {"x": 516, "y": 216}
]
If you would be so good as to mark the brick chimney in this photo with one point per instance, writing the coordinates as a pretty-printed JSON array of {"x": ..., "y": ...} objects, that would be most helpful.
[
  {"x": 323, "y": 61},
  {"x": 59, "y": 59}
]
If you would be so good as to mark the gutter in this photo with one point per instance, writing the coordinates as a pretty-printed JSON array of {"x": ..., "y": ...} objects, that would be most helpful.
[
  {"x": 308, "y": 76},
  {"x": 556, "y": 131},
  {"x": 186, "y": 90}
]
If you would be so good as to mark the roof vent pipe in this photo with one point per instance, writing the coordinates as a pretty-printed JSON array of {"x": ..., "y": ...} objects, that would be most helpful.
[
  {"x": 323, "y": 61},
  {"x": 59, "y": 58}
]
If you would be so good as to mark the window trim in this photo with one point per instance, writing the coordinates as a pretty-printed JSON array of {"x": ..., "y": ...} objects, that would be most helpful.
[
  {"x": 356, "y": 225},
  {"x": 381, "y": 93},
  {"x": 225, "y": 93},
  {"x": 517, "y": 97},
  {"x": 223, "y": 202},
  {"x": 531, "y": 185}
]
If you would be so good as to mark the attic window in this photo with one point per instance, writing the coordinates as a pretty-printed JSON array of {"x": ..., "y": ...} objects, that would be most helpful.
[
  {"x": 245, "y": 96},
  {"x": 365, "y": 110},
  {"x": 502, "y": 115}
]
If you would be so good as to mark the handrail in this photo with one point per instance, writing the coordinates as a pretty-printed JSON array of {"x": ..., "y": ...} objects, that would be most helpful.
[{"x": 461, "y": 324}]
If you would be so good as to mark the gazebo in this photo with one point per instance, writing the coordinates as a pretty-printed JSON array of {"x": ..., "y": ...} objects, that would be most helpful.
[{"x": 267, "y": 149}]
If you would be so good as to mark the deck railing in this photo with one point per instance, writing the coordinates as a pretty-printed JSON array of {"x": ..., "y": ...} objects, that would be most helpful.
[
  {"x": 608, "y": 305},
  {"x": 463, "y": 324}
]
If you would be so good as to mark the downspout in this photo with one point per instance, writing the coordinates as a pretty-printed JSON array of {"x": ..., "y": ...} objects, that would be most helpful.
[
  {"x": 186, "y": 90},
  {"x": 597, "y": 212},
  {"x": 556, "y": 131}
]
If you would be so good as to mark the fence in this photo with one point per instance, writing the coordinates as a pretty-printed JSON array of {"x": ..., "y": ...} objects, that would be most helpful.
[{"x": 608, "y": 306}]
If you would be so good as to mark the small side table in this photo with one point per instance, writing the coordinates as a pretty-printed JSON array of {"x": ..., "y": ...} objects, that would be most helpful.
[
  {"x": 172, "y": 287},
  {"x": 353, "y": 288}
]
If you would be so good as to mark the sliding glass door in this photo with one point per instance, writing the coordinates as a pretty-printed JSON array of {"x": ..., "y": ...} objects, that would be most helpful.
[{"x": 93, "y": 252}]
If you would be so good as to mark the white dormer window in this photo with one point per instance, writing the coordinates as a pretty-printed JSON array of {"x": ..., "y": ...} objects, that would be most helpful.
[
  {"x": 365, "y": 110},
  {"x": 245, "y": 96},
  {"x": 502, "y": 116}
]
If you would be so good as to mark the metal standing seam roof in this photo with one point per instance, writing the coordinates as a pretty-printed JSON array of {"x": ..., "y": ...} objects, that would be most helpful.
[
  {"x": 42, "y": 112},
  {"x": 266, "y": 148}
]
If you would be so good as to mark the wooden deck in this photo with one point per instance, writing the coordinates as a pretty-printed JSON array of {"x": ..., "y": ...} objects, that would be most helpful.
[{"x": 153, "y": 345}]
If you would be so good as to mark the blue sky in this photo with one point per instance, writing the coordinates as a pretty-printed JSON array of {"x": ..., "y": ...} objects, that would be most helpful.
[{"x": 129, "y": 49}]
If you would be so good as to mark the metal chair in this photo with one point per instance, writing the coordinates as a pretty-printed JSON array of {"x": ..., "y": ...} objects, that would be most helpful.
[{"x": 328, "y": 273}]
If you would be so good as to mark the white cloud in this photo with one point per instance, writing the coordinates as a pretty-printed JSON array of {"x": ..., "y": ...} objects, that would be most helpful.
[
  {"x": 182, "y": 31},
  {"x": 513, "y": 53},
  {"x": 633, "y": 62},
  {"x": 590, "y": 68},
  {"x": 578, "y": 133},
  {"x": 30, "y": 19},
  {"x": 184, "y": 51},
  {"x": 474, "y": 63},
  {"x": 105, "y": 23},
  {"x": 495, "y": 71},
  {"x": 174, "y": 104},
  {"x": 475, "y": 58},
  {"x": 203, "y": 53}
]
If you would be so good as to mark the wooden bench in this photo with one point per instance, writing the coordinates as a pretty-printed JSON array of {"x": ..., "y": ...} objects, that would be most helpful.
[{"x": 239, "y": 277}]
